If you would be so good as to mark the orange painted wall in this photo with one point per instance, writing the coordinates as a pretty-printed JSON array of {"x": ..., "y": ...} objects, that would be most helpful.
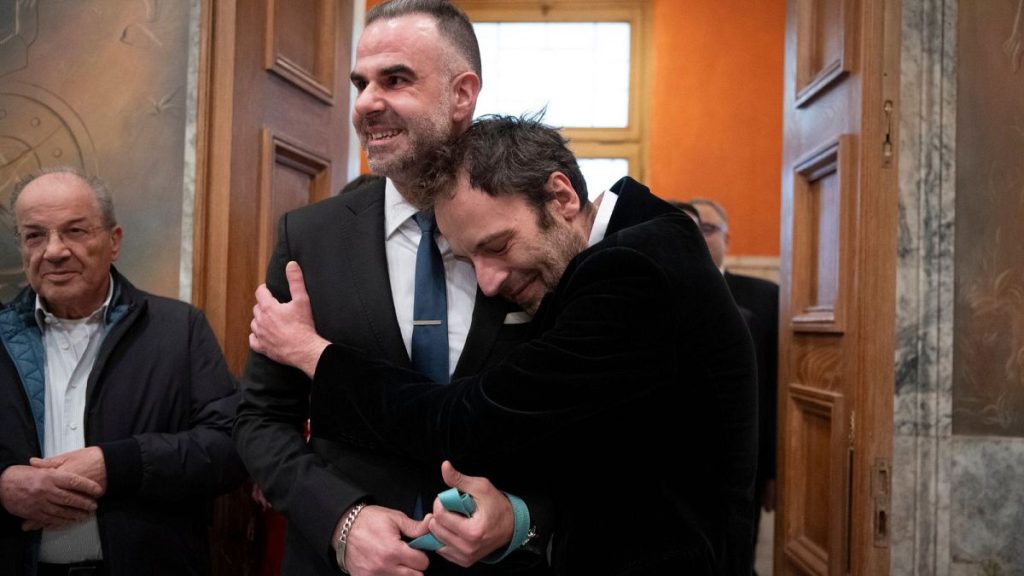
[{"x": 716, "y": 111}]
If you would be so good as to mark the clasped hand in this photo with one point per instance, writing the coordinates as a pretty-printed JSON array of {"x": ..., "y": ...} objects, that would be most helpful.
[
  {"x": 376, "y": 543},
  {"x": 284, "y": 332},
  {"x": 57, "y": 491}
]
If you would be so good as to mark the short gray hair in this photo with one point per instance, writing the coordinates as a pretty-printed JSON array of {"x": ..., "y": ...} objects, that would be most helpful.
[
  {"x": 98, "y": 187},
  {"x": 713, "y": 205}
]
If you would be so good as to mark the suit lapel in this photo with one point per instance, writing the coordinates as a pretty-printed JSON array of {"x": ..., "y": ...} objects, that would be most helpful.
[{"x": 365, "y": 260}]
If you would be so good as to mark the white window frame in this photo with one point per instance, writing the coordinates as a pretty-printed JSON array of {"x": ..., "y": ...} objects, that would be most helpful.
[{"x": 629, "y": 142}]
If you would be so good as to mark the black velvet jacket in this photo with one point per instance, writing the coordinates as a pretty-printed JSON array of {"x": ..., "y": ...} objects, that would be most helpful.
[{"x": 635, "y": 399}]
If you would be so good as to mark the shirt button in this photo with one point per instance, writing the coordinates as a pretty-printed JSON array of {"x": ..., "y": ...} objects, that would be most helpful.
[
  {"x": 74, "y": 426},
  {"x": 64, "y": 345}
]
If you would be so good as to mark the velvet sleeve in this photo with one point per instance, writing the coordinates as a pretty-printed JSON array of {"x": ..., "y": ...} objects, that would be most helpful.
[{"x": 602, "y": 346}]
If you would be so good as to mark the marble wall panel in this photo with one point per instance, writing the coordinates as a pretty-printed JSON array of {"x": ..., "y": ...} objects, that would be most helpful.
[
  {"x": 958, "y": 460},
  {"x": 102, "y": 85}
]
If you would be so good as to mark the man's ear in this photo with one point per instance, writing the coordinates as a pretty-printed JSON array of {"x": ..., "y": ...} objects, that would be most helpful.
[
  {"x": 567, "y": 202},
  {"x": 115, "y": 242},
  {"x": 465, "y": 89}
]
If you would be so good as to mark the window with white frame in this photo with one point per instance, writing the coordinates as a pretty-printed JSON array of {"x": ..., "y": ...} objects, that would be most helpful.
[{"x": 580, "y": 62}]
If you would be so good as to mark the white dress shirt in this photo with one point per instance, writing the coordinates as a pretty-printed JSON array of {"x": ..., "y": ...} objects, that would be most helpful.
[
  {"x": 71, "y": 347},
  {"x": 401, "y": 241},
  {"x": 603, "y": 217}
]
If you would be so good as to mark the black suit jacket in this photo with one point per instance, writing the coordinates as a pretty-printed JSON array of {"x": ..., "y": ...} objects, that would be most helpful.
[
  {"x": 635, "y": 399},
  {"x": 761, "y": 298},
  {"x": 339, "y": 243}
]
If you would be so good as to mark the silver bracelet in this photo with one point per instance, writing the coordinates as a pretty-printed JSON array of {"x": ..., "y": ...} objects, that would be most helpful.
[{"x": 342, "y": 543}]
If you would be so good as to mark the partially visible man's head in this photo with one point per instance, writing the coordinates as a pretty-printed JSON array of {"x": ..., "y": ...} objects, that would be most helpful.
[
  {"x": 688, "y": 209},
  {"x": 68, "y": 237},
  {"x": 714, "y": 224},
  {"x": 417, "y": 74},
  {"x": 509, "y": 196}
]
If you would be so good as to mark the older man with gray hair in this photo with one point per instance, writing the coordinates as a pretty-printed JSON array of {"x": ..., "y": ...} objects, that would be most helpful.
[{"x": 115, "y": 404}]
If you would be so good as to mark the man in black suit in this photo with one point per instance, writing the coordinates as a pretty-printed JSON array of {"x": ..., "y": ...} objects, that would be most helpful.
[
  {"x": 636, "y": 343},
  {"x": 761, "y": 298},
  {"x": 417, "y": 74}
]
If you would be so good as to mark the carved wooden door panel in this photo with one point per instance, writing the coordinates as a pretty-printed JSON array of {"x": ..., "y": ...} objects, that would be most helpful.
[
  {"x": 276, "y": 138},
  {"x": 838, "y": 267}
]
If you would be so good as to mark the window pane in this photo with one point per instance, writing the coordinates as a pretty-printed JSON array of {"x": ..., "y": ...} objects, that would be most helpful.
[
  {"x": 578, "y": 70},
  {"x": 601, "y": 173}
]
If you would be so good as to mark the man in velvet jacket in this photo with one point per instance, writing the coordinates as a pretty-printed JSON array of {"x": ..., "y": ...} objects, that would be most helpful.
[{"x": 635, "y": 398}]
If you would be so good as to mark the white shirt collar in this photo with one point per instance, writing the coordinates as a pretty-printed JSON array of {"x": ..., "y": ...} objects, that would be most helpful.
[
  {"x": 397, "y": 210},
  {"x": 603, "y": 217},
  {"x": 42, "y": 314}
]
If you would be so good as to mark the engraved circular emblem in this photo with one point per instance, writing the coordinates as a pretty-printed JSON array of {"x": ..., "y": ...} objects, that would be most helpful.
[{"x": 37, "y": 129}]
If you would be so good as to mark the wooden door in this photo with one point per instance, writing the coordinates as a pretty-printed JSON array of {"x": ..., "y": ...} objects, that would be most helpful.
[
  {"x": 273, "y": 135},
  {"x": 838, "y": 277},
  {"x": 275, "y": 91}
]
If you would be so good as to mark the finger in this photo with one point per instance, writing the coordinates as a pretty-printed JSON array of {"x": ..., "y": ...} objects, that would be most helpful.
[
  {"x": 455, "y": 556},
  {"x": 451, "y": 538},
  {"x": 406, "y": 571},
  {"x": 414, "y": 528},
  {"x": 450, "y": 522},
  {"x": 74, "y": 483},
  {"x": 263, "y": 297},
  {"x": 452, "y": 477},
  {"x": 254, "y": 343},
  {"x": 412, "y": 560},
  {"x": 49, "y": 521},
  {"x": 73, "y": 501},
  {"x": 53, "y": 462},
  {"x": 296, "y": 283},
  {"x": 54, "y": 512}
]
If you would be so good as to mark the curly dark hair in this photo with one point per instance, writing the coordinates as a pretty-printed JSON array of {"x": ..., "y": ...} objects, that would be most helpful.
[{"x": 504, "y": 156}]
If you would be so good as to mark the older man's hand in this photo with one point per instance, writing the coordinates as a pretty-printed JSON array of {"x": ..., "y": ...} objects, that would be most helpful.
[
  {"x": 88, "y": 462},
  {"x": 285, "y": 332},
  {"x": 47, "y": 497}
]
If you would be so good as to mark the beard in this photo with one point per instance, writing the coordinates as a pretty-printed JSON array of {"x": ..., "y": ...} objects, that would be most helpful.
[
  {"x": 562, "y": 243},
  {"x": 424, "y": 134}
]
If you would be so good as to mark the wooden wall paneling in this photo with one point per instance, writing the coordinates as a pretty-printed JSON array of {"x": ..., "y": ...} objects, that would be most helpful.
[
  {"x": 291, "y": 176},
  {"x": 819, "y": 451},
  {"x": 277, "y": 139},
  {"x": 837, "y": 285},
  {"x": 824, "y": 195},
  {"x": 271, "y": 137},
  {"x": 826, "y": 46},
  {"x": 300, "y": 42}
]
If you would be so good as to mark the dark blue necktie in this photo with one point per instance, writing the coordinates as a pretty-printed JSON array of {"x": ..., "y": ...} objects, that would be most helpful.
[{"x": 430, "y": 310}]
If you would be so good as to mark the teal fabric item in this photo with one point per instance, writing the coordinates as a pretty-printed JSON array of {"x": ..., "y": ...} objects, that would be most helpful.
[
  {"x": 520, "y": 530},
  {"x": 453, "y": 501}
]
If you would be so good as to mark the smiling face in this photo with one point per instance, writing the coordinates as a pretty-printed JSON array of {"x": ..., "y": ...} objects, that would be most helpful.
[
  {"x": 514, "y": 256},
  {"x": 70, "y": 271},
  {"x": 414, "y": 93}
]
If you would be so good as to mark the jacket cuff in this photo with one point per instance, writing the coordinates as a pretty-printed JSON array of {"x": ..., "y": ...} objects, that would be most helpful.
[{"x": 123, "y": 459}]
